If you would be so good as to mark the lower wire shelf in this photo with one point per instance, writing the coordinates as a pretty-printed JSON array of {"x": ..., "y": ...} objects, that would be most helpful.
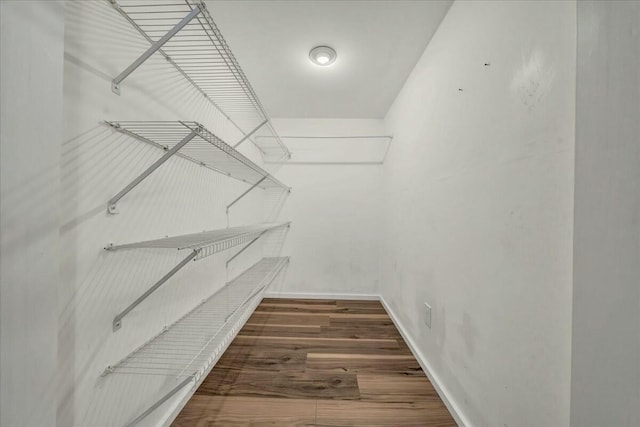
[
  {"x": 188, "y": 349},
  {"x": 201, "y": 245}
]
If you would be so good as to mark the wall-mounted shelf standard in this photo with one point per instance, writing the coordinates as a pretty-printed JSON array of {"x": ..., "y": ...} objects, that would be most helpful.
[
  {"x": 189, "y": 348},
  {"x": 201, "y": 245},
  {"x": 188, "y": 38},
  {"x": 193, "y": 142}
]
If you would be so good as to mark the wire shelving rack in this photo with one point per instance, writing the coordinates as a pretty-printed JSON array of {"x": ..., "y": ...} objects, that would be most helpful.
[
  {"x": 186, "y": 35},
  {"x": 188, "y": 349},
  {"x": 181, "y": 355},
  {"x": 193, "y": 142},
  {"x": 200, "y": 245}
]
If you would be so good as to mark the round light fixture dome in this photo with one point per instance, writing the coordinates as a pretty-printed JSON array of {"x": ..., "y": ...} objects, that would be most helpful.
[{"x": 322, "y": 55}]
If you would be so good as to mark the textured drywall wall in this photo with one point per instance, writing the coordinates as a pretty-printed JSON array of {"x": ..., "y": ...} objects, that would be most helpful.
[
  {"x": 479, "y": 209},
  {"x": 32, "y": 37},
  {"x": 336, "y": 210}
]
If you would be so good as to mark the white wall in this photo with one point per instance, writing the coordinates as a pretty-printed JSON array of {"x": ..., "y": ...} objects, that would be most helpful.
[
  {"x": 336, "y": 212},
  {"x": 605, "y": 379},
  {"x": 478, "y": 209},
  {"x": 180, "y": 197},
  {"x": 32, "y": 35}
]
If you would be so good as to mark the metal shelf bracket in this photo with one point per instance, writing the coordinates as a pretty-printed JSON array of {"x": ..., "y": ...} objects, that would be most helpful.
[
  {"x": 249, "y": 244},
  {"x": 164, "y": 398},
  {"x": 245, "y": 193},
  {"x": 117, "y": 321},
  {"x": 115, "y": 83},
  {"x": 247, "y": 136},
  {"x": 111, "y": 205},
  {"x": 245, "y": 247}
]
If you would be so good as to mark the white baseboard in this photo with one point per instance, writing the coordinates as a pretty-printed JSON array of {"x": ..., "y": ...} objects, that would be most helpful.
[
  {"x": 314, "y": 295},
  {"x": 444, "y": 394}
]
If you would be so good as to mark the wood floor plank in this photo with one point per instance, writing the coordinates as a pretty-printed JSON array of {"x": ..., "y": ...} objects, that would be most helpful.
[
  {"x": 293, "y": 307},
  {"x": 300, "y": 301},
  {"x": 322, "y": 345},
  {"x": 358, "y": 316},
  {"x": 356, "y": 331},
  {"x": 309, "y": 313},
  {"x": 207, "y": 411},
  {"x": 337, "y": 342},
  {"x": 261, "y": 360},
  {"x": 280, "y": 318},
  {"x": 366, "y": 321},
  {"x": 396, "y": 388},
  {"x": 360, "y": 307},
  {"x": 363, "y": 363},
  {"x": 305, "y": 385},
  {"x": 360, "y": 303},
  {"x": 281, "y": 330},
  {"x": 362, "y": 413}
]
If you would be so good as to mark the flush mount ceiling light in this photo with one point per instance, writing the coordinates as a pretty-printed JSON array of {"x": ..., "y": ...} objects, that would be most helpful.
[{"x": 322, "y": 55}]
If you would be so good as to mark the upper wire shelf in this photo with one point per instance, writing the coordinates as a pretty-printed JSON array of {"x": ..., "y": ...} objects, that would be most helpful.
[
  {"x": 192, "y": 141},
  {"x": 186, "y": 35}
]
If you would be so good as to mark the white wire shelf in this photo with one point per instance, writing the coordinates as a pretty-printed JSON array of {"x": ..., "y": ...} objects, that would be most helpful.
[
  {"x": 189, "y": 348},
  {"x": 193, "y": 142},
  {"x": 182, "y": 348},
  {"x": 207, "y": 242},
  {"x": 201, "y": 245},
  {"x": 184, "y": 32}
]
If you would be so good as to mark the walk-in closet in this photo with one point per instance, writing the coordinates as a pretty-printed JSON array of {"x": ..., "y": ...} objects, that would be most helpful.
[{"x": 320, "y": 213}]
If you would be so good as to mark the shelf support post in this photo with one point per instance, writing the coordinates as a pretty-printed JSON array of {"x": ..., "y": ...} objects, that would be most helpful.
[
  {"x": 247, "y": 136},
  {"x": 117, "y": 321},
  {"x": 245, "y": 193},
  {"x": 111, "y": 205},
  {"x": 115, "y": 84}
]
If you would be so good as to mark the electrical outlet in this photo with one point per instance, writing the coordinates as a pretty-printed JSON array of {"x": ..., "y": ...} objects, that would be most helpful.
[{"x": 427, "y": 315}]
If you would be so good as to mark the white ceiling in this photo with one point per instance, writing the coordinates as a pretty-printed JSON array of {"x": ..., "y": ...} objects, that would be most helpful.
[{"x": 378, "y": 43}]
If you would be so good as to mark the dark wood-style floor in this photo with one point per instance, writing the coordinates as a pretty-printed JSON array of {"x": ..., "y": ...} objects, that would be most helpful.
[{"x": 317, "y": 363}]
